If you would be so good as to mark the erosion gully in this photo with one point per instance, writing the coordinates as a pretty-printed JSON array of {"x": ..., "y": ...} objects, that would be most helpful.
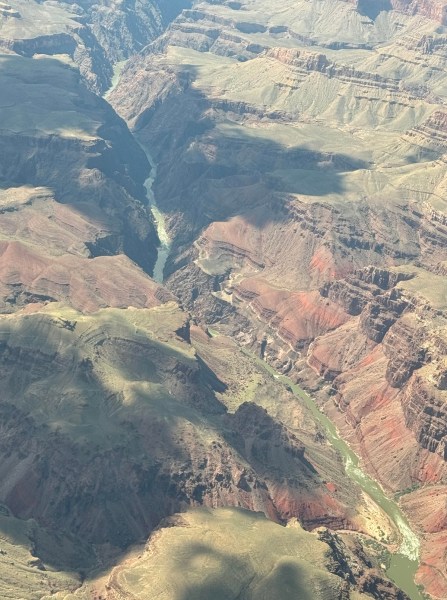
[{"x": 404, "y": 563}]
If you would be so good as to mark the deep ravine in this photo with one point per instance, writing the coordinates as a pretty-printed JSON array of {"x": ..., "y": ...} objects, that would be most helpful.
[
  {"x": 404, "y": 563},
  {"x": 159, "y": 220}
]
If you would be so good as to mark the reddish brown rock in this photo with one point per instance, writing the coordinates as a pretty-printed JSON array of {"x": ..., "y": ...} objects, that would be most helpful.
[
  {"x": 296, "y": 317},
  {"x": 428, "y": 506},
  {"x": 26, "y": 276}
]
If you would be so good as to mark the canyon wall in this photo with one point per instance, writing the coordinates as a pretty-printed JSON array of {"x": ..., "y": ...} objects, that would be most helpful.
[{"x": 304, "y": 189}]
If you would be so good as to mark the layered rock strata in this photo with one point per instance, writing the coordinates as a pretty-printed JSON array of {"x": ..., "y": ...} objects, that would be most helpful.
[{"x": 304, "y": 189}]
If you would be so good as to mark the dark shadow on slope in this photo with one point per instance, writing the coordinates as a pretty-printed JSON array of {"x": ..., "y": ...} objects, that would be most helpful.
[
  {"x": 372, "y": 8},
  {"x": 108, "y": 466},
  {"x": 172, "y": 8},
  {"x": 56, "y": 134},
  {"x": 268, "y": 446},
  {"x": 237, "y": 577},
  {"x": 96, "y": 464},
  {"x": 220, "y": 584},
  {"x": 212, "y": 165},
  {"x": 65, "y": 116}
]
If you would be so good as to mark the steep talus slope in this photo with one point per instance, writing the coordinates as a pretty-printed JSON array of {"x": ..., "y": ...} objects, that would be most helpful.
[{"x": 301, "y": 168}]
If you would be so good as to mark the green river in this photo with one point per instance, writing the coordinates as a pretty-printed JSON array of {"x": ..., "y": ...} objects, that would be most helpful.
[
  {"x": 404, "y": 563},
  {"x": 159, "y": 220},
  {"x": 160, "y": 224}
]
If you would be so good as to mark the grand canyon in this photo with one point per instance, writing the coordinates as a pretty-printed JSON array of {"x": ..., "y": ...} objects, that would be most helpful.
[{"x": 223, "y": 299}]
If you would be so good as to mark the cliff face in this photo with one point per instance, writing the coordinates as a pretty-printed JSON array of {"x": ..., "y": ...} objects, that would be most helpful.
[
  {"x": 72, "y": 190},
  {"x": 407, "y": 341}
]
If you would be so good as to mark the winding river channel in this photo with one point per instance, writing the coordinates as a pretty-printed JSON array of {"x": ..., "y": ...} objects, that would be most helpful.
[
  {"x": 404, "y": 563},
  {"x": 159, "y": 220},
  {"x": 160, "y": 223}
]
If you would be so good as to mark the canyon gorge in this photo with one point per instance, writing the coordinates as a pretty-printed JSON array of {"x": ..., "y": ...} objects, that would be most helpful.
[{"x": 223, "y": 294}]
